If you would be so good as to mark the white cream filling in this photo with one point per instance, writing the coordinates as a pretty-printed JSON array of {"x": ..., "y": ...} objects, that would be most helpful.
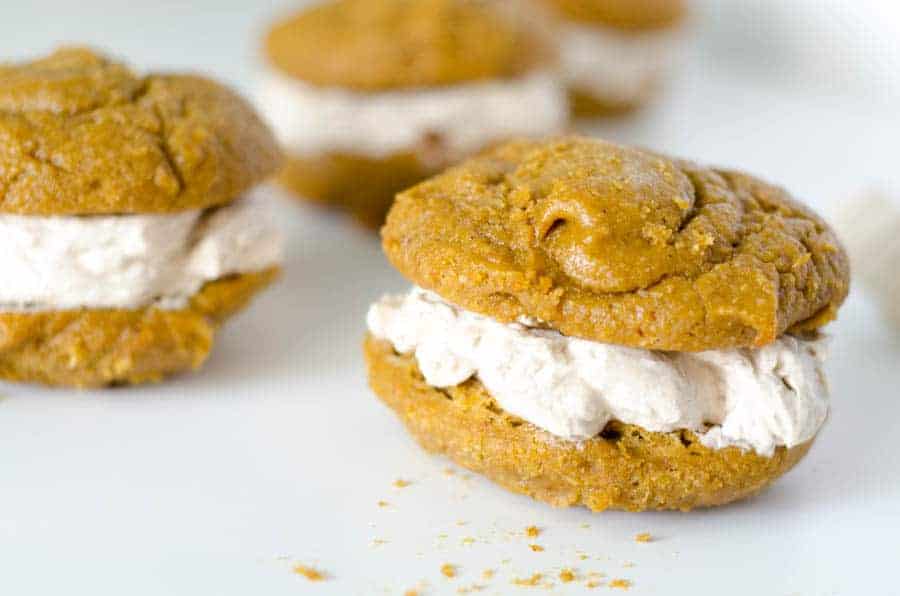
[
  {"x": 130, "y": 261},
  {"x": 616, "y": 66},
  {"x": 752, "y": 399},
  {"x": 458, "y": 119}
]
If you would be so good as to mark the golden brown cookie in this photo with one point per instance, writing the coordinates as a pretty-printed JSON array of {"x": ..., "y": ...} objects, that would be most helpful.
[
  {"x": 626, "y": 467},
  {"x": 619, "y": 245},
  {"x": 95, "y": 348},
  {"x": 623, "y": 14},
  {"x": 362, "y": 186},
  {"x": 391, "y": 44},
  {"x": 81, "y": 134}
]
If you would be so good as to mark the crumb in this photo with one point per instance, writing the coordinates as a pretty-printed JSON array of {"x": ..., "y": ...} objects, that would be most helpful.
[
  {"x": 448, "y": 570},
  {"x": 534, "y": 580},
  {"x": 644, "y": 537},
  {"x": 468, "y": 540},
  {"x": 470, "y": 589},
  {"x": 400, "y": 483},
  {"x": 487, "y": 574},
  {"x": 583, "y": 556},
  {"x": 383, "y": 504},
  {"x": 566, "y": 576},
  {"x": 313, "y": 575},
  {"x": 461, "y": 523},
  {"x": 623, "y": 584},
  {"x": 536, "y": 548},
  {"x": 628, "y": 564},
  {"x": 532, "y": 531},
  {"x": 411, "y": 593},
  {"x": 592, "y": 584}
]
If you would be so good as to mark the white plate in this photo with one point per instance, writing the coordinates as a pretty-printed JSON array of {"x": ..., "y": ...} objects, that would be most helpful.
[{"x": 277, "y": 454}]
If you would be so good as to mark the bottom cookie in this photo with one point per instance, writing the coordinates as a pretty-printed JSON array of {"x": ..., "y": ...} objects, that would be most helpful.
[
  {"x": 93, "y": 348},
  {"x": 364, "y": 187},
  {"x": 584, "y": 104},
  {"x": 626, "y": 467}
]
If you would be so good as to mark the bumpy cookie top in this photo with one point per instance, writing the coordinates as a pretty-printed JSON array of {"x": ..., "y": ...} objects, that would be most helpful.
[
  {"x": 371, "y": 45},
  {"x": 81, "y": 134},
  {"x": 619, "y": 245},
  {"x": 626, "y": 14}
]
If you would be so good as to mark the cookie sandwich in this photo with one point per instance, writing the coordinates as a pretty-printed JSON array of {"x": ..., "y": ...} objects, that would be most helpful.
[
  {"x": 615, "y": 53},
  {"x": 598, "y": 325},
  {"x": 369, "y": 98},
  {"x": 127, "y": 224}
]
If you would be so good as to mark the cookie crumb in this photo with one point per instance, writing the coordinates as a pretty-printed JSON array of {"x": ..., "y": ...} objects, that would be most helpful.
[
  {"x": 401, "y": 483},
  {"x": 644, "y": 537},
  {"x": 534, "y": 580},
  {"x": 532, "y": 531},
  {"x": 566, "y": 576},
  {"x": 487, "y": 574},
  {"x": 411, "y": 593},
  {"x": 468, "y": 540},
  {"x": 448, "y": 570},
  {"x": 536, "y": 548},
  {"x": 313, "y": 575},
  {"x": 591, "y": 584},
  {"x": 383, "y": 504},
  {"x": 622, "y": 584}
]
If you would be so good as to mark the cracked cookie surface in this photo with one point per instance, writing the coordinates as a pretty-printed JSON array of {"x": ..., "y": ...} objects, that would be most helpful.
[
  {"x": 81, "y": 134},
  {"x": 619, "y": 245},
  {"x": 391, "y": 44}
]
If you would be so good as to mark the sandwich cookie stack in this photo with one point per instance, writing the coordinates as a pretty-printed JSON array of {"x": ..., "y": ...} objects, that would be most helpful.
[
  {"x": 127, "y": 227},
  {"x": 598, "y": 325},
  {"x": 370, "y": 98},
  {"x": 615, "y": 53}
]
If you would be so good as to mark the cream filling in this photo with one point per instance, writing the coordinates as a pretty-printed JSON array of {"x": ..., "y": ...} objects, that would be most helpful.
[
  {"x": 130, "y": 261},
  {"x": 615, "y": 66},
  {"x": 752, "y": 399},
  {"x": 451, "y": 121}
]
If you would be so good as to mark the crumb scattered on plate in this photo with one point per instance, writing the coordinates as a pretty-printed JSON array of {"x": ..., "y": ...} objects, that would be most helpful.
[
  {"x": 313, "y": 575},
  {"x": 534, "y": 580},
  {"x": 566, "y": 575},
  {"x": 448, "y": 570},
  {"x": 401, "y": 483},
  {"x": 487, "y": 574},
  {"x": 644, "y": 537},
  {"x": 622, "y": 584},
  {"x": 383, "y": 504},
  {"x": 532, "y": 531},
  {"x": 536, "y": 548}
]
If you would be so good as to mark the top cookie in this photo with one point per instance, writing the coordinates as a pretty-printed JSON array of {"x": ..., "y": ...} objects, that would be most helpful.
[
  {"x": 390, "y": 44},
  {"x": 624, "y": 14},
  {"x": 81, "y": 134},
  {"x": 619, "y": 245}
]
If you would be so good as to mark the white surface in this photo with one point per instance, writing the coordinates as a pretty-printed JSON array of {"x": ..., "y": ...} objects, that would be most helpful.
[
  {"x": 465, "y": 118},
  {"x": 277, "y": 453},
  {"x": 129, "y": 261},
  {"x": 571, "y": 387}
]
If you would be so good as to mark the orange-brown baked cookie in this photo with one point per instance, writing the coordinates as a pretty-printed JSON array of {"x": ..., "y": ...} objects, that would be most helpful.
[
  {"x": 625, "y": 467},
  {"x": 82, "y": 134},
  {"x": 95, "y": 348},
  {"x": 371, "y": 97},
  {"x": 127, "y": 231},
  {"x": 619, "y": 245}
]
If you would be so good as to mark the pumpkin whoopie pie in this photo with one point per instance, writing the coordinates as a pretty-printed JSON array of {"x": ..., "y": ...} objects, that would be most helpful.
[
  {"x": 614, "y": 53},
  {"x": 126, "y": 226},
  {"x": 370, "y": 98},
  {"x": 599, "y": 325}
]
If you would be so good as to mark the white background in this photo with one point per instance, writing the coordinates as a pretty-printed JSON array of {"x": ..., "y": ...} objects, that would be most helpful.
[{"x": 277, "y": 454}]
